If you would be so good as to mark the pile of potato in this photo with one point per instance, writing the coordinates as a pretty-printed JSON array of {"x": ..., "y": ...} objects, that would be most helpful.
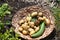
[{"x": 28, "y": 27}]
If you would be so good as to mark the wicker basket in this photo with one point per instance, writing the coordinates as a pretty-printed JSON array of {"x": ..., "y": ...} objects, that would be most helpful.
[{"x": 24, "y": 12}]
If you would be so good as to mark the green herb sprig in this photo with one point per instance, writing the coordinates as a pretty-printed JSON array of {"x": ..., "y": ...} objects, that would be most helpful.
[
  {"x": 4, "y": 9},
  {"x": 56, "y": 13}
]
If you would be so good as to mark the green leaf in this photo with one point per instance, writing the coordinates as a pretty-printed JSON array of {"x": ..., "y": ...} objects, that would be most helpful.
[
  {"x": 12, "y": 39},
  {"x": 56, "y": 12},
  {"x": 9, "y": 33},
  {"x": 33, "y": 19},
  {"x": 7, "y": 12},
  {"x": 8, "y": 22},
  {"x": 4, "y": 7},
  {"x": 17, "y": 35},
  {"x": 11, "y": 29},
  {"x": 1, "y": 25}
]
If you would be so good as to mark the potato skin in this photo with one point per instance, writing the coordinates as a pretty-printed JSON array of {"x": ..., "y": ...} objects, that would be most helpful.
[
  {"x": 36, "y": 29},
  {"x": 24, "y": 32},
  {"x": 32, "y": 32},
  {"x": 34, "y": 14},
  {"x": 47, "y": 21},
  {"x": 21, "y": 21},
  {"x": 40, "y": 14},
  {"x": 20, "y": 29}
]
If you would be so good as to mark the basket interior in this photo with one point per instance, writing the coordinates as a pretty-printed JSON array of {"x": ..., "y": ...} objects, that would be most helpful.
[{"x": 25, "y": 11}]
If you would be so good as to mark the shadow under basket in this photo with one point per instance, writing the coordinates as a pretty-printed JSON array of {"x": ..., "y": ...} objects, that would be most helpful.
[{"x": 24, "y": 12}]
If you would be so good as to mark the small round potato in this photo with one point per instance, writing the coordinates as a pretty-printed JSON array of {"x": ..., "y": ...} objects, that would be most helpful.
[
  {"x": 30, "y": 29},
  {"x": 40, "y": 18},
  {"x": 24, "y": 26},
  {"x": 32, "y": 32},
  {"x": 21, "y": 21},
  {"x": 47, "y": 21},
  {"x": 25, "y": 32},
  {"x": 40, "y": 14},
  {"x": 34, "y": 14},
  {"x": 31, "y": 24},
  {"x": 28, "y": 18},
  {"x": 20, "y": 29},
  {"x": 44, "y": 17},
  {"x": 25, "y": 23},
  {"x": 36, "y": 29}
]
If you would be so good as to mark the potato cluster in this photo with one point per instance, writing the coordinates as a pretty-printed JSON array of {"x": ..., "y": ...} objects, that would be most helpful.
[{"x": 28, "y": 27}]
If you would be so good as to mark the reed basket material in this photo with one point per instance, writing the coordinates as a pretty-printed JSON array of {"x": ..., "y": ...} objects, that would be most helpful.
[{"x": 24, "y": 12}]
